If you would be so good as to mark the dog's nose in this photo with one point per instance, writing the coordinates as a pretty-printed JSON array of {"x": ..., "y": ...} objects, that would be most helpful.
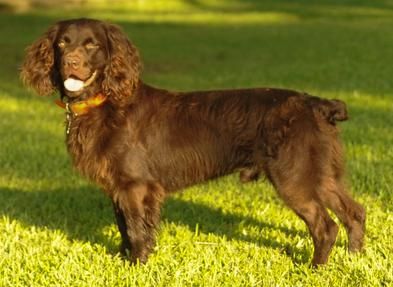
[{"x": 72, "y": 61}]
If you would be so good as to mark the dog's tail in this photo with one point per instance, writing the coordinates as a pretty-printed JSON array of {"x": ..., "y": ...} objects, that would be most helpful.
[{"x": 330, "y": 110}]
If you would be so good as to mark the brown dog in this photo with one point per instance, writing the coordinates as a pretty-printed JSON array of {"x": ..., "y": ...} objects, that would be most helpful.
[{"x": 140, "y": 143}]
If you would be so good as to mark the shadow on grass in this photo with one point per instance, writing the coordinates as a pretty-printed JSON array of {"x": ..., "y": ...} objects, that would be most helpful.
[
  {"x": 212, "y": 220},
  {"x": 82, "y": 214}
]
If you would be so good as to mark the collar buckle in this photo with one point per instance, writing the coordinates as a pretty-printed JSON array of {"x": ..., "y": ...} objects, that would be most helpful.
[{"x": 69, "y": 116}]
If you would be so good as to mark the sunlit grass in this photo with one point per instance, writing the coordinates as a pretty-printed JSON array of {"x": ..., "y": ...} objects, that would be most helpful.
[
  {"x": 232, "y": 12},
  {"x": 203, "y": 18}
]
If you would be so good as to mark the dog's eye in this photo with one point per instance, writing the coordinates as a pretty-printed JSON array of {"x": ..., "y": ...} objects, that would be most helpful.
[
  {"x": 91, "y": 46},
  {"x": 61, "y": 44}
]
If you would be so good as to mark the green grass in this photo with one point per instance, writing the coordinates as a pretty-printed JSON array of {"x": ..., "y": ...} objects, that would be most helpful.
[{"x": 56, "y": 229}]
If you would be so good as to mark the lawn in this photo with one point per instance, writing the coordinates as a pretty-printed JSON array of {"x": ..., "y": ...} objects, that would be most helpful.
[{"x": 57, "y": 229}]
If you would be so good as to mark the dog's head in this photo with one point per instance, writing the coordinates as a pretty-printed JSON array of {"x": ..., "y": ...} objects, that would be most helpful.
[{"x": 81, "y": 58}]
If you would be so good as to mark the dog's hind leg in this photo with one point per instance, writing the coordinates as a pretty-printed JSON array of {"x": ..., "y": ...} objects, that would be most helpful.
[
  {"x": 322, "y": 228},
  {"x": 350, "y": 213},
  {"x": 295, "y": 174},
  {"x": 334, "y": 197}
]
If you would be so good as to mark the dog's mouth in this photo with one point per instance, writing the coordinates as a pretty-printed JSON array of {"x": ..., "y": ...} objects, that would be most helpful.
[{"x": 74, "y": 84}]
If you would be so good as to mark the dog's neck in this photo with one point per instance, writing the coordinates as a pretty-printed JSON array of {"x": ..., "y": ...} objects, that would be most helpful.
[
  {"x": 81, "y": 107},
  {"x": 84, "y": 106}
]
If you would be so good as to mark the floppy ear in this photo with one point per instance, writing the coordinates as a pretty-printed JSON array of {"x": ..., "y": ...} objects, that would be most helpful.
[
  {"x": 122, "y": 72},
  {"x": 37, "y": 68}
]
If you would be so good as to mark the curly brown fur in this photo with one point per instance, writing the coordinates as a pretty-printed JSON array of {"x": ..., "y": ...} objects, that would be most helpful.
[
  {"x": 38, "y": 66},
  {"x": 144, "y": 143},
  {"x": 122, "y": 72}
]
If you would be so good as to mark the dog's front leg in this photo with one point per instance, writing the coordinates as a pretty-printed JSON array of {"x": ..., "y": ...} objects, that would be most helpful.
[
  {"x": 121, "y": 224},
  {"x": 137, "y": 210}
]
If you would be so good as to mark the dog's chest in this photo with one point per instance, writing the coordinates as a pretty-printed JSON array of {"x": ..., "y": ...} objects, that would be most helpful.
[{"x": 88, "y": 144}]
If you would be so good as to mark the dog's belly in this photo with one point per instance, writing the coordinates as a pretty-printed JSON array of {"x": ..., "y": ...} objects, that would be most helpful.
[{"x": 175, "y": 168}]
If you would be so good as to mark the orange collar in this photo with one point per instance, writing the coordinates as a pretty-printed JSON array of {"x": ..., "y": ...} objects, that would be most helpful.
[{"x": 82, "y": 107}]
